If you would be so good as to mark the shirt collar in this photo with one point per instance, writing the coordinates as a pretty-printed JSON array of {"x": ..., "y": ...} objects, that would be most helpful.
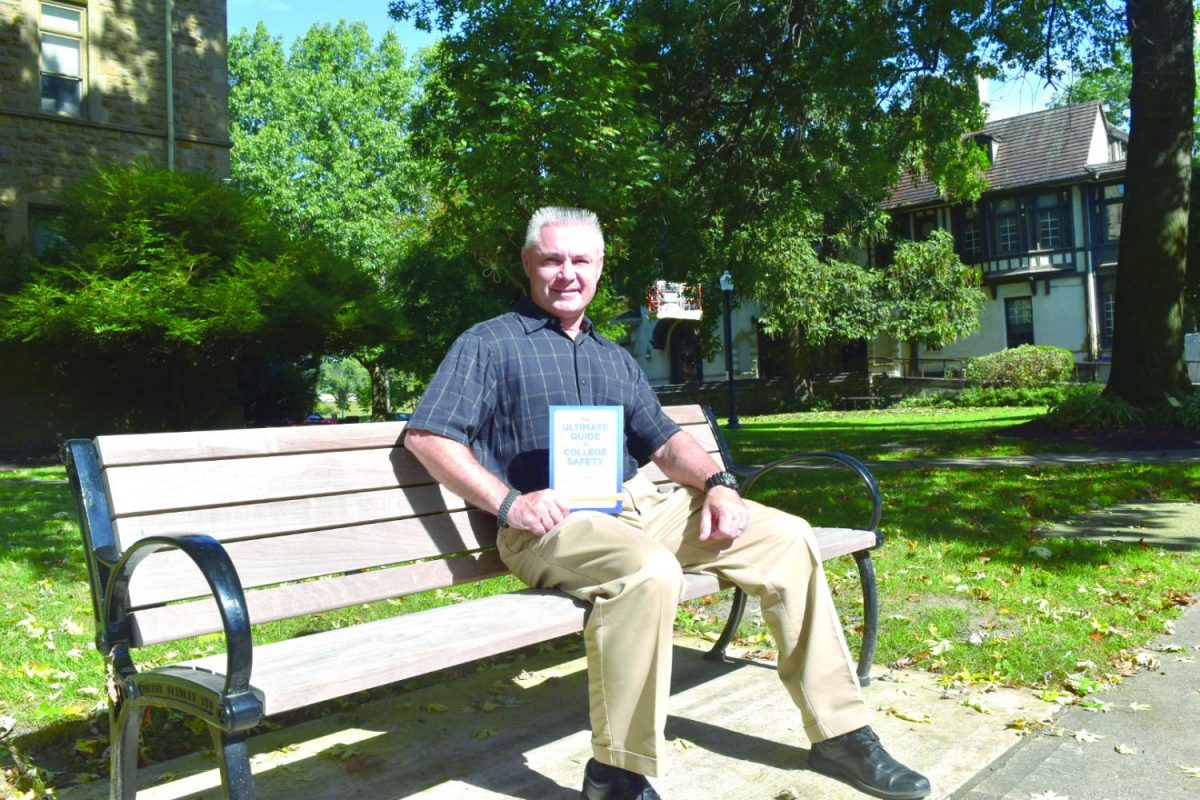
[{"x": 533, "y": 318}]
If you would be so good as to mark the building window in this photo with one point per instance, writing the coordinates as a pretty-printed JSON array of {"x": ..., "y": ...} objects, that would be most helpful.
[
  {"x": 970, "y": 234},
  {"x": 1018, "y": 320},
  {"x": 1049, "y": 221},
  {"x": 44, "y": 230},
  {"x": 1008, "y": 226},
  {"x": 1108, "y": 307},
  {"x": 1110, "y": 200},
  {"x": 924, "y": 223},
  {"x": 62, "y": 58}
]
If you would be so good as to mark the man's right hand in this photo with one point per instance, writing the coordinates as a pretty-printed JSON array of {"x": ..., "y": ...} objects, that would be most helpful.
[{"x": 537, "y": 512}]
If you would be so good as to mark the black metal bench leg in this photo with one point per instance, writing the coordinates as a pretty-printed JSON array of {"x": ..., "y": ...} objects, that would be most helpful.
[
  {"x": 866, "y": 573},
  {"x": 233, "y": 754},
  {"x": 736, "y": 610},
  {"x": 125, "y": 722}
]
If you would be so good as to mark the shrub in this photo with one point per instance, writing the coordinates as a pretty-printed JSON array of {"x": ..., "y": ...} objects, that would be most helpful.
[
  {"x": 1087, "y": 407},
  {"x": 1189, "y": 413},
  {"x": 927, "y": 400},
  {"x": 994, "y": 396},
  {"x": 1024, "y": 366}
]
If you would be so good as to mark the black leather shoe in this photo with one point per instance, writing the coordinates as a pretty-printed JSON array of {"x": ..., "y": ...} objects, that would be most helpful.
[
  {"x": 604, "y": 782},
  {"x": 858, "y": 759}
]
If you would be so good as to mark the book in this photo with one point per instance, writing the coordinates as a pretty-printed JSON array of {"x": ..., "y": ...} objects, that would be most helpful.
[{"x": 587, "y": 456}]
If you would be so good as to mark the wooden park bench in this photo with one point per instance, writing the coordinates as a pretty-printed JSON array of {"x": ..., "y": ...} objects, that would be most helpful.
[{"x": 217, "y": 531}]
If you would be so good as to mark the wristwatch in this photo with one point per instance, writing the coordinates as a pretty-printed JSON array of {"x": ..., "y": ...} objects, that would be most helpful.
[{"x": 722, "y": 478}]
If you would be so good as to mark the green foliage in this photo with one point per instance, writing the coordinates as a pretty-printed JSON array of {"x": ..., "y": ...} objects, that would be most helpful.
[
  {"x": 1089, "y": 407},
  {"x": 1109, "y": 83},
  {"x": 1024, "y": 366},
  {"x": 991, "y": 397},
  {"x": 932, "y": 297},
  {"x": 321, "y": 135},
  {"x": 1189, "y": 412},
  {"x": 709, "y": 136},
  {"x": 179, "y": 266}
]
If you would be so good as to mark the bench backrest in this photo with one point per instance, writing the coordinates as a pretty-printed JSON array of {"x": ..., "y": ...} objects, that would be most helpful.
[{"x": 314, "y": 518}]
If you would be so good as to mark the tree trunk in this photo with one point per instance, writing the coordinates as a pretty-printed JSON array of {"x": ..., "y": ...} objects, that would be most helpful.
[
  {"x": 1148, "y": 327},
  {"x": 379, "y": 393}
]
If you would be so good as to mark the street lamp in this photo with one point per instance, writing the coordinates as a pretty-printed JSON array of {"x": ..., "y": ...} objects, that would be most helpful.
[{"x": 727, "y": 290}]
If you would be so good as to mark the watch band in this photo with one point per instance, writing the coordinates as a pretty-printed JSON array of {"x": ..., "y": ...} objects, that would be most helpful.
[
  {"x": 505, "y": 507},
  {"x": 722, "y": 478}
]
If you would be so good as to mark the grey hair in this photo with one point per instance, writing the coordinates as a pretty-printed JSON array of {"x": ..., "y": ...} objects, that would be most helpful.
[{"x": 560, "y": 215}]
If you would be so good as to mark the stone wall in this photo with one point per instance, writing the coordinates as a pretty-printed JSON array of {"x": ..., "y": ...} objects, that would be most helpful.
[{"x": 124, "y": 113}]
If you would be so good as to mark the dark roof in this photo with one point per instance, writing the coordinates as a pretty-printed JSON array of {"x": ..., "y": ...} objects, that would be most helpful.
[{"x": 1037, "y": 149}]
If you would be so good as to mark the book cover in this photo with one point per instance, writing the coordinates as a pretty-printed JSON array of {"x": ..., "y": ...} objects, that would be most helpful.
[{"x": 587, "y": 456}]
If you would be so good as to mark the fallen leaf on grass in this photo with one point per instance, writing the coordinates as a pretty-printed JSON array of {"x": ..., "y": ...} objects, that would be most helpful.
[
  {"x": 483, "y": 733},
  {"x": 1125, "y": 750},
  {"x": 435, "y": 707}
]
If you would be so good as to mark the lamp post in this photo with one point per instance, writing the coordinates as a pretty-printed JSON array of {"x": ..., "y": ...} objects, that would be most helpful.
[{"x": 727, "y": 290}]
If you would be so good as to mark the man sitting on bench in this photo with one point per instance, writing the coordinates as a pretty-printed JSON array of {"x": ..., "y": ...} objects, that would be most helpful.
[{"x": 482, "y": 429}]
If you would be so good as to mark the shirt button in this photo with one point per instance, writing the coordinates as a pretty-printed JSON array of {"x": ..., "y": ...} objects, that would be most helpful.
[{"x": 583, "y": 381}]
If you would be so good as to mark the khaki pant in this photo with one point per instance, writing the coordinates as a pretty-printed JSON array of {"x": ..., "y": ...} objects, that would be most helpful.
[{"x": 630, "y": 568}]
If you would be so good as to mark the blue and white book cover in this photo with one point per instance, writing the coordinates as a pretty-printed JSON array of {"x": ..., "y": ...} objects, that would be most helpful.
[{"x": 587, "y": 456}]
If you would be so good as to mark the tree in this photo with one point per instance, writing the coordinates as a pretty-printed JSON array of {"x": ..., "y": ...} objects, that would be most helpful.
[
  {"x": 320, "y": 133},
  {"x": 710, "y": 136},
  {"x": 180, "y": 272},
  {"x": 1148, "y": 327},
  {"x": 1109, "y": 84}
]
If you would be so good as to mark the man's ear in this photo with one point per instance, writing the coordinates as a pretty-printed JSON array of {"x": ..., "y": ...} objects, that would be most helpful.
[{"x": 527, "y": 261}]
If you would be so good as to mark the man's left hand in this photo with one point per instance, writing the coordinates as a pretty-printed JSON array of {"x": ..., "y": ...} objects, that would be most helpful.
[{"x": 724, "y": 515}]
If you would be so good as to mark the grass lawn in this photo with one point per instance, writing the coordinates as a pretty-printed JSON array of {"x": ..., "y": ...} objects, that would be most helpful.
[{"x": 967, "y": 588}]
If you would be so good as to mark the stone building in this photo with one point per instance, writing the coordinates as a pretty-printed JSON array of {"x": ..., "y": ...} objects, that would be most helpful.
[{"x": 90, "y": 81}]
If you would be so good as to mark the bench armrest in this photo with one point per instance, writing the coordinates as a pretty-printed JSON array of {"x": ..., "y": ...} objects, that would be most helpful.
[
  {"x": 214, "y": 563},
  {"x": 752, "y": 475}
]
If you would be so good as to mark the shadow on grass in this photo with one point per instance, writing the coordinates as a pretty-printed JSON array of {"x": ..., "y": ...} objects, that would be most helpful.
[
  {"x": 38, "y": 530},
  {"x": 1000, "y": 511}
]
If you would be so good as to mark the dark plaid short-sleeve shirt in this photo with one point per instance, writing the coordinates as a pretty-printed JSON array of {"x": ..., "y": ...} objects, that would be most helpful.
[{"x": 494, "y": 389}]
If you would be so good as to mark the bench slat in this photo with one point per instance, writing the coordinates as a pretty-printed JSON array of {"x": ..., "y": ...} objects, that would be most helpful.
[
  {"x": 169, "y": 575},
  {"x": 290, "y": 516},
  {"x": 180, "y": 621},
  {"x": 154, "y": 448},
  {"x": 154, "y": 488},
  {"x": 687, "y": 415},
  {"x": 309, "y": 669}
]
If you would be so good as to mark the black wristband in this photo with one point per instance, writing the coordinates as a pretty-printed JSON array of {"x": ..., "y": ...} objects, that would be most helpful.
[
  {"x": 722, "y": 478},
  {"x": 505, "y": 507}
]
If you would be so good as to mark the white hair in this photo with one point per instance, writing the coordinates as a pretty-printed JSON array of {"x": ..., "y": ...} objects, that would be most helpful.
[{"x": 560, "y": 215}]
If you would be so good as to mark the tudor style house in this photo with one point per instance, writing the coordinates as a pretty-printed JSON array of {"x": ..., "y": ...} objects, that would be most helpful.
[
  {"x": 88, "y": 81},
  {"x": 1044, "y": 235}
]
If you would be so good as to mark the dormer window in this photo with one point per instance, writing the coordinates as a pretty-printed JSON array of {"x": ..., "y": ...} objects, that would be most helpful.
[{"x": 988, "y": 145}]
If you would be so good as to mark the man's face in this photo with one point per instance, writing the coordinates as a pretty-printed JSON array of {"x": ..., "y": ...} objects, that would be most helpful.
[{"x": 563, "y": 271}]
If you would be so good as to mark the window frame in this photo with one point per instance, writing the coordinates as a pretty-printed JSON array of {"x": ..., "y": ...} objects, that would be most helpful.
[
  {"x": 61, "y": 32},
  {"x": 1100, "y": 205},
  {"x": 1015, "y": 335}
]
